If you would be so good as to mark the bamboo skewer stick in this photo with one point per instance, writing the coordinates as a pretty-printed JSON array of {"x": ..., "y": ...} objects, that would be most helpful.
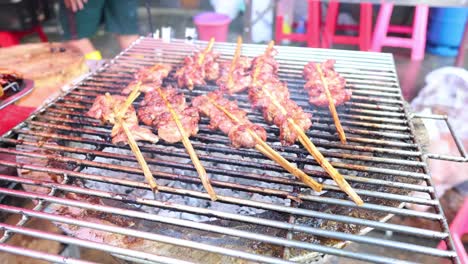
[
  {"x": 311, "y": 148},
  {"x": 139, "y": 156},
  {"x": 131, "y": 97},
  {"x": 188, "y": 146},
  {"x": 336, "y": 176},
  {"x": 131, "y": 140},
  {"x": 230, "y": 80},
  {"x": 264, "y": 148},
  {"x": 205, "y": 51},
  {"x": 331, "y": 106}
]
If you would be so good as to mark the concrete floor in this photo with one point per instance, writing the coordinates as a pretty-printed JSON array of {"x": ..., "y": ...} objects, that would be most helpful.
[{"x": 411, "y": 74}]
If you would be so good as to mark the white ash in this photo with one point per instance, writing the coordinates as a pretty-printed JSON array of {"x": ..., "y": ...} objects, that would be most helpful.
[{"x": 186, "y": 200}]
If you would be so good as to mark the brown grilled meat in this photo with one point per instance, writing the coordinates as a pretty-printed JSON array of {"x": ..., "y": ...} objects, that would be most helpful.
[
  {"x": 103, "y": 109},
  {"x": 271, "y": 96},
  {"x": 202, "y": 66},
  {"x": 154, "y": 74},
  {"x": 149, "y": 78},
  {"x": 241, "y": 78},
  {"x": 144, "y": 87},
  {"x": 237, "y": 131},
  {"x": 314, "y": 84},
  {"x": 154, "y": 112}
]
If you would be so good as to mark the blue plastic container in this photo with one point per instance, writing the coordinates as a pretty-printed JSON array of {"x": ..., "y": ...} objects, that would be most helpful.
[{"x": 445, "y": 32}]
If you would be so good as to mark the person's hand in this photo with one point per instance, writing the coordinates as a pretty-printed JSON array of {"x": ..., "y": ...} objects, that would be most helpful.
[{"x": 75, "y": 5}]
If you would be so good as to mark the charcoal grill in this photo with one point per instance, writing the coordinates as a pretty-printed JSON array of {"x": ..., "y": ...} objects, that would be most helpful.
[{"x": 383, "y": 161}]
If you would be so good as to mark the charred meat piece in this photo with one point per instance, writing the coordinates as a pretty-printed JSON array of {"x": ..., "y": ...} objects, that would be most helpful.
[
  {"x": 266, "y": 65},
  {"x": 277, "y": 110},
  {"x": 153, "y": 111},
  {"x": 191, "y": 74},
  {"x": 144, "y": 87},
  {"x": 314, "y": 85},
  {"x": 153, "y": 105},
  {"x": 237, "y": 130},
  {"x": 271, "y": 96},
  {"x": 154, "y": 74},
  {"x": 202, "y": 66},
  {"x": 240, "y": 79},
  {"x": 103, "y": 109},
  {"x": 210, "y": 64},
  {"x": 149, "y": 78}
]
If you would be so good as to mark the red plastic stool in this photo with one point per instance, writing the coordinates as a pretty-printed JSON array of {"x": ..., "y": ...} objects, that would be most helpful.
[
  {"x": 311, "y": 36},
  {"x": 364, "y": 28},
  {"x": 458, "y": 228},
  {"x": 11, "y": 38},
  {"x": 417, "y": 42}
]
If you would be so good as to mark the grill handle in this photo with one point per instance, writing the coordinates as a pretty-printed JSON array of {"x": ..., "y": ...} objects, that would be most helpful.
[{"x": 461, "y": 148}]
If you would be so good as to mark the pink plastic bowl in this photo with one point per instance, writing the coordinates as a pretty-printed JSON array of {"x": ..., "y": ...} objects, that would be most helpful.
[{"x": 212, "y": 25}]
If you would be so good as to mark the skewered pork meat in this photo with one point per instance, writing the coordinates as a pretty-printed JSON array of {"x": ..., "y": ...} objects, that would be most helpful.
[
  {"x": 202, "y": 66},
  {"x": 144, "y": 87},
  {"x": 314, "y": 85},
  {"x": 240, "y": 78},
  {"x": 210, "y": 64},
  {"x": 236, "y": 130},
  {"x": 154, "y": 74},
  {"x": 167, "y": 111},
  {"x": 149, "y": 78},
  {"x": 268, "y": 94},
  {"x": 266, "y": 65},
  {"x": 103, "y": 109},
  {"x": 271, "y": 95},
  {"x": 154, "y": 112}
]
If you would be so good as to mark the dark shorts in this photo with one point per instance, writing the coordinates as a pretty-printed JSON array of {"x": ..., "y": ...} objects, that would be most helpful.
[{"x": 118, "y": 16}]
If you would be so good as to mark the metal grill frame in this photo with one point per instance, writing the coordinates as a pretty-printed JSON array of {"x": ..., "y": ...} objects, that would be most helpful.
[{"x": 378, "y": 107}]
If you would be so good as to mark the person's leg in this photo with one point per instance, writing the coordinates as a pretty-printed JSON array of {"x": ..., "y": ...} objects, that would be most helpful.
[
  {"x": 79, "y": 26},
  {"x": 121, "y": 18},
  {"x": 126, "y": 40},
  {"x": 84, "y": 45}
]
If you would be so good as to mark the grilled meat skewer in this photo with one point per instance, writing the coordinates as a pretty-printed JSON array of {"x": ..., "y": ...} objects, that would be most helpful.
[
  {"x": 119, "y": 111},
  {"x": 272, "y": 97},
  {"x": 149, "y": 78},
  {"x": 235, "y": 129},
  {"x": 103, "y": 109},
  {"x": 154, "y": 112},
  {"x": 316, "y": 88},
  {"x": 166, "y": 109},
  {"x": 155, "y": 73},
  {"x": 326, "y": 87},
  {"x": 226, "y": 116},
  {"x": 198, "y": 68},
  {"x": 235, "y": 75}
]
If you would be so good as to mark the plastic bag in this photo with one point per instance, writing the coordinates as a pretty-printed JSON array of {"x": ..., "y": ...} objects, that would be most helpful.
[
  {"x": 230, "y": 8},
  {"x": 446, "y": 92},
  {"x": 262, "y": 29}
]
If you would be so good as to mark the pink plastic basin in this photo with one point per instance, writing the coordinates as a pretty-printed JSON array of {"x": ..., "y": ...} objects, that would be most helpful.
[{"x": 212, "y": 25}]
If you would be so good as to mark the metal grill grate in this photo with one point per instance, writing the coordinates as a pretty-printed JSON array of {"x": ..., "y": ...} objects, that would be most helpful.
[{"x": 75, "y": 176}]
